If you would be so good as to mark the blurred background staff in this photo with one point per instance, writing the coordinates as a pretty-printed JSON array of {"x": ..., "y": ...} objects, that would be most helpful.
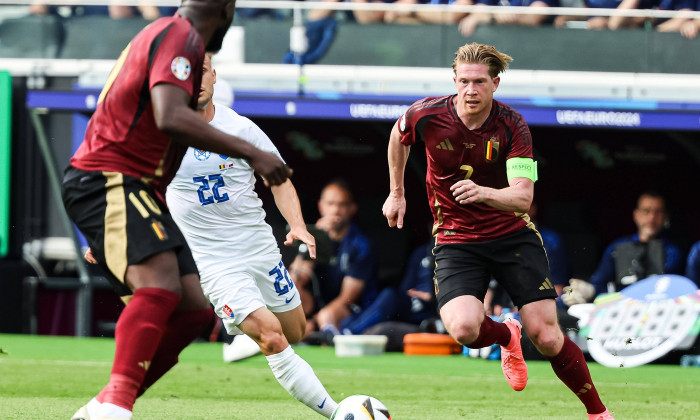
[
  {"x": 634, "y": 257},
  {"x": 334, "y": 292}
]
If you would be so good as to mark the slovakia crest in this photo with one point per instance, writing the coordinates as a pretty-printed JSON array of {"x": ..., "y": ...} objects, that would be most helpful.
[
  {"x": 201, "y": 155},
  {"x": 181, "y": 68}
]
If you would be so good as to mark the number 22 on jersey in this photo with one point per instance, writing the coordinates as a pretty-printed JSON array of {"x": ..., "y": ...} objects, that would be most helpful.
[{"x": 204, "y": 187}]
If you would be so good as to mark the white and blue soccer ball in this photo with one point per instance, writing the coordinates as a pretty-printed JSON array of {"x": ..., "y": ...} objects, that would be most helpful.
[{"x": 361, "y": 407}]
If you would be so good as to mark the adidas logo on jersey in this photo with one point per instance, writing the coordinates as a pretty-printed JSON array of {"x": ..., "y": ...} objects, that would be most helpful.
[
  {"x": 445, "y": 145},
  {"x": 546, "y": 284}
]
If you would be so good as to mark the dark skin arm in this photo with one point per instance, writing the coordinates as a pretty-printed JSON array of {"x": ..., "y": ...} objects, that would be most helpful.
[{"x": 174, "y": 117}]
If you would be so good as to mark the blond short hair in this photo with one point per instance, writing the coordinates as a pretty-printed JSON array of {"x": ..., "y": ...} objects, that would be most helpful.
[{"x": 474, "y": 53}]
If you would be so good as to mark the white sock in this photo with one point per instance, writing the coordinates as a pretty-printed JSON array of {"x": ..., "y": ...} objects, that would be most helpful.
[
  {"x": 92, "y": 407},
  {"x": 114, "y": 411},
  {"x": 299, "y": 379}
]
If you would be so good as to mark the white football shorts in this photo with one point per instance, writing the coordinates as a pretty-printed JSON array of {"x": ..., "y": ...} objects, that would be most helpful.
[{"x": 241, "y": 287}]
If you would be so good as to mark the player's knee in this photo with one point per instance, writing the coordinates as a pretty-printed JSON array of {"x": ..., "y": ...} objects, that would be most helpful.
[
  {"x": 545, "y": 339},
  {"x": 273, "y": 342},
  {"x": 464, "y": 333}
]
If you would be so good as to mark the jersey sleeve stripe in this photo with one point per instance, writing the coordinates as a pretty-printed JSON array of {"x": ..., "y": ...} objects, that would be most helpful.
[{"x": 428, "y": 103}]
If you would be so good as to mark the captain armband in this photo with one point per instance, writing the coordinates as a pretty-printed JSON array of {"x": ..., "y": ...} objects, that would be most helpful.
[{"x": 521, "y": 168}]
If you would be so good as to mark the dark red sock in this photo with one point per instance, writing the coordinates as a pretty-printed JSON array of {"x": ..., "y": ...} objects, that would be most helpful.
[
  {"x": 570, "y": 366},
  {"x": 183, "y": 327},
  {"x": 491, "y": 332},
  {"x": 137, "y": 336}
]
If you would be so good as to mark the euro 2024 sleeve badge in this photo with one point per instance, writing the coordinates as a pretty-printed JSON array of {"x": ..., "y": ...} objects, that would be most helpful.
[{"x": 181, "y": 68}]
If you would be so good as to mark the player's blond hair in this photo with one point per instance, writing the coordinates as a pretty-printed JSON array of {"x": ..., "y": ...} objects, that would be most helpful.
[{"x": 474, "y": 53}]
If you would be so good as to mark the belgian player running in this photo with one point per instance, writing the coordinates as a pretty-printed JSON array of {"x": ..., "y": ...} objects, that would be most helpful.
[
  {"x": 114, "y": 192},
  {"x": 480, "y": 183}
]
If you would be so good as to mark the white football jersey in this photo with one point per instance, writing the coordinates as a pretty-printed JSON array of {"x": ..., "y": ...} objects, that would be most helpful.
[{"x": 214, "y": 204}]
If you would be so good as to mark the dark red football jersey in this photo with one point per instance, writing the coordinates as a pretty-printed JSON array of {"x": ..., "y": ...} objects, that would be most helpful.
[
  {"x": 455, "y": 153},
  {"x": 122, "y": 135}
]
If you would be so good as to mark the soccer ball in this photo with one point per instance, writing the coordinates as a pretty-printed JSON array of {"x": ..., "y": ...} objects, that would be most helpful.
[{"x": 361, "y": 407}]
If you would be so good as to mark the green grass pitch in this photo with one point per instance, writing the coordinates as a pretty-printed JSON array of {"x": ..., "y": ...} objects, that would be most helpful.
[{"x": 44, "y": 377}]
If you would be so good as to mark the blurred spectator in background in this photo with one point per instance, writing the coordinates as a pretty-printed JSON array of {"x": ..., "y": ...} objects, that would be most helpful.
[
  {"x": 468, "y": 25},
  {"x": 333, "y": 294},
  {"x": 691, "y": 28},
  {"x": 412, "y": 302},
  {"x": 617, "y": 22},
  {"x": 634, "y": 257},
  {"x": 376, "y": 16},
  {"x": 686, "y": 26},
  {"x": 609, "y": 22},
  {"x": 692, "y": 268},
  {"x": 148, "y": 12},
  {"x": 446, "y": 18}
]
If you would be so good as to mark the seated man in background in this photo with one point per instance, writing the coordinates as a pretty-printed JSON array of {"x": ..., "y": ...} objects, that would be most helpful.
[
  {"x": 333, "y": 294},
  {"x": 633, "y": 257}
]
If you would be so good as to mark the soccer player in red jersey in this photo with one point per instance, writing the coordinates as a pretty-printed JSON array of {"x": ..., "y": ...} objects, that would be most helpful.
[
  {"x": 480, "y": 182},
  {"x": 114, "y": 192}
]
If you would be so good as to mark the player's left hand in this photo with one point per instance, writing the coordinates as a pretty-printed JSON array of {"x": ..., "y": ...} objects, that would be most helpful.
[
  {"x": 303, "y": 235},
  {"x": 466, "y": 192}
]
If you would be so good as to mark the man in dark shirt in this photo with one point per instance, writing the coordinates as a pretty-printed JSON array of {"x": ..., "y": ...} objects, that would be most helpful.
[
  {"x": 634, "y": 257},
  {"x": 480, "y": 183},
  {"x": 346, "y": 284},
  {"x": 114, "y": 192}
]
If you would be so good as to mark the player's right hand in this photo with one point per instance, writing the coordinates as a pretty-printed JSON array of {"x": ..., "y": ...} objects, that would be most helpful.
[
  {"x": 271, "y": 168},
  {"x": 303, "y": 235},
  {"x": 394, "y": 209}
]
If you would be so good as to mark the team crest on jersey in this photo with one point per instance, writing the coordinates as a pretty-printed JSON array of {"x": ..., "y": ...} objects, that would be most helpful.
[
  {"x": 227, "y": 311},
  {"x": 491, "y": 152},
  {"x": 202, "y": 155},
  {"x": 181, "y": 68},
  {"x": 402, "y": 123}
]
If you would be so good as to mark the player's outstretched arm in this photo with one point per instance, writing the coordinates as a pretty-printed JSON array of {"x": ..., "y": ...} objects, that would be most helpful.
[
  {"x": 394, "y": 207},
  {"x": 174, "y": 117},
  {"x": 287, "y": 202}
]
